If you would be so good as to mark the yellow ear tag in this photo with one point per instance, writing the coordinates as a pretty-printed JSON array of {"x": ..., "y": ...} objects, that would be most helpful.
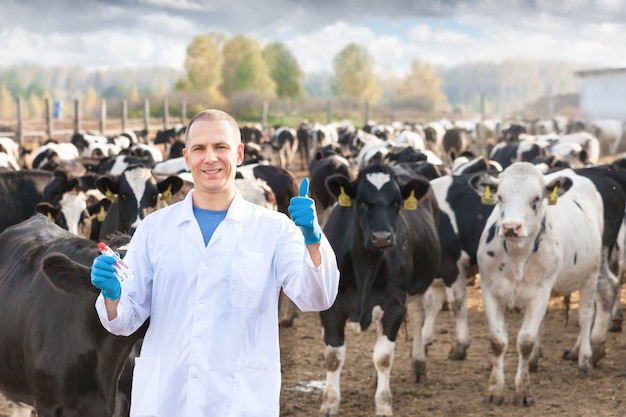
[
  {"x": 487, "y": 198},
  {"x": 410, "y": 203},
  {"x": 50, "y": 217},
  {"x": 101, "y": 214},
  {"x": 553, "y": 196},
  {"x": 109, "y": 194},
  {"x": 167, "y": 194},
  {"x": 344, "y": 198}
]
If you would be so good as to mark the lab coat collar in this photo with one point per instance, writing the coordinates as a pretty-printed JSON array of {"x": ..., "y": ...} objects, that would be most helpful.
[{"x": 236, "y": 211}]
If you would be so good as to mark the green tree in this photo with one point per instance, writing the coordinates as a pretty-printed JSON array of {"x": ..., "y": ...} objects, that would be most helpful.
[
  {"x": 204, "y": 66},
  {"x": 35, "y": 106},
  {"x": 421, "y": 89},
  {"x": 91, "y": 101},
  {"x": 244, "y": 68},
  {"x": 284, "y": 70},
  {"x": 353, "y": 67}
]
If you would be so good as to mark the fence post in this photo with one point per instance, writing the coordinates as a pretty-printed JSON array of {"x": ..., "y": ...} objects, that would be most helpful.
[
  {"x": 392, "y": 112},
  {"x": 49, "y": 117},
  {"x": 264, "y": 114},
  {"x": 183, "y": 113},
  {"x": 20, "y": 122},
  {"x": 329, "y": 111},
  {"x": 77, "y": 115},
  {"x": 146, "y": 115},
  {"x": 103, "y": 115},
  {"x": 124, "y": 114},
  {"x": 367, "y": 112},
  {"x": 166, "y": 114}
]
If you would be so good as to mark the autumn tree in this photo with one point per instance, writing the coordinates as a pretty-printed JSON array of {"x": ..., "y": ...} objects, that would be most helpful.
[
  {"x": 35, "y": 106},
  {"x": 204, "y": 66},
  {"x": 353, "y": 67},
  {"x": 284, "y": 70},
  {"x": 421, "y": 89},
  {"x": 91, "y": 102},
  {"x": 133, "y": 94},
  {"x": 244, "y": 68},
  {"x": 8, "y": 105}
]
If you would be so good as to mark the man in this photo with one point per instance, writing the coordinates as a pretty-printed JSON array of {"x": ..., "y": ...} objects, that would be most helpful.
[{"x": 207, "y": 272}]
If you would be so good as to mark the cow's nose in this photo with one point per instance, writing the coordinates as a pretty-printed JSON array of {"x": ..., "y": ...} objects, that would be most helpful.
[
  {"x": 381, "y": 239},
  {"x": 511, "y": 229}
]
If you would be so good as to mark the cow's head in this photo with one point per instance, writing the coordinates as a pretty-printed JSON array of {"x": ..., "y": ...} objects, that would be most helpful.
[
  {"x": 377, "y": 197},
  {"x": 136, "y": 193},
  {"x": 521, "y": 194}
]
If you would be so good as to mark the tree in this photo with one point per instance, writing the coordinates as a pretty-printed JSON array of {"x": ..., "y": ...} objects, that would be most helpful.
[
  {"x": 244, "y": 68},
  {"x": 353, "y": 67},
  {"x": 284, "y": 70},
  {"x": 204, "y": 66},
  {"x": 421, "y": 89},
  {"x": 8, "y": 106},
  {"x": 35, "y": 106},
  {"x": 91, "y": 102},
  {"x": 133, "y": 94}
]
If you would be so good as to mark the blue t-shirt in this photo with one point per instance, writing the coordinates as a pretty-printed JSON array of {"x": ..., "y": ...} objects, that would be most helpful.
[{"x": 208, "y": 220}]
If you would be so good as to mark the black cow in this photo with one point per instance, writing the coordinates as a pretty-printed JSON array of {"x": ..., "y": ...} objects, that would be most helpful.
[
  {"x": 20, "y": 191},
  {"x": 285, "y": 143},
  {"x": 506, "y": 153},
  {"x": 136, "y": 193},
  {"x": 55, "y": 354},
  {"x": 321, "y": 168},
  {"x": 280, "y": 180},
  {"x": 384, "y": 234}
]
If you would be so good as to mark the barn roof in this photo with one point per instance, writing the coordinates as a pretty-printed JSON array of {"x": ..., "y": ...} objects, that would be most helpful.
[{"x": 599, "y": 72}]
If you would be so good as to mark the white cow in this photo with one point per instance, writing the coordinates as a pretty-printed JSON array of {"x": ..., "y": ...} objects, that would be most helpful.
[{"x": 543, "y": 238}]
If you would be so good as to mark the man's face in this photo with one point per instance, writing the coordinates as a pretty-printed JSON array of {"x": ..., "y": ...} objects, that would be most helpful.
[{"x": 212, "y": 154}]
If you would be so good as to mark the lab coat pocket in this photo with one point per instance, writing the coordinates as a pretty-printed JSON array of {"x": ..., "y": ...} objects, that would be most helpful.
[
  {"x": 249, "y": 282},
  {"x": 257, "y": 388},
  {"x": 145, "y": 386}
]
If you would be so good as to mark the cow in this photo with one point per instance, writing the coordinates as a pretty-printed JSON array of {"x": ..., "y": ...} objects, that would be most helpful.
[
  {"x": 280, "y": 180},
  {"x": 530, "y": 250},
  {"x": 303, "y": 133},
  {"x": 135, "y": 193},
  {"x": 321, "y": 168},
  {"x": 20, "y": 191},
  {"x": 384, "y": 233},
  {"x": 56, "y": 356},
  {"x": 285, "y": 143}
]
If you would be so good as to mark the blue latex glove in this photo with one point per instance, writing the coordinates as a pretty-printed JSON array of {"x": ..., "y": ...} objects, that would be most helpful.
[
  {"x": 103, "y": 277},
  {"x": 302, "y": 211}
]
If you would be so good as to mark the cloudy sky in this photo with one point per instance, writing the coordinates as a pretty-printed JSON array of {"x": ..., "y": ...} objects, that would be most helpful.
[{"x": 121, "y": 33}]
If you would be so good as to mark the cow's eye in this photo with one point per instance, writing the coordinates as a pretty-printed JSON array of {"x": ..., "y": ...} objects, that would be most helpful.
[{"x": 535, "y": 201}]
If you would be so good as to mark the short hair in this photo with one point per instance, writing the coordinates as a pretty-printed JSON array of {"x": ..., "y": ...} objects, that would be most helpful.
[{"x": 214, "y": 114}]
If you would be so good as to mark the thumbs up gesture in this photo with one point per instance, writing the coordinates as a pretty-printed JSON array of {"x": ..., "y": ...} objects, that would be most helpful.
[{"x": 302, "y": 211}]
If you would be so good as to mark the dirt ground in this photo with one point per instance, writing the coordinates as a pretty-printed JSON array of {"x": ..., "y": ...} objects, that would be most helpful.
[{"x": 454, "y": 388}]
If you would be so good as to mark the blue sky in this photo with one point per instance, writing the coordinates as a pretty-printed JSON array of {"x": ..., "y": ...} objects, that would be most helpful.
[{"x": 131, "y": 33}]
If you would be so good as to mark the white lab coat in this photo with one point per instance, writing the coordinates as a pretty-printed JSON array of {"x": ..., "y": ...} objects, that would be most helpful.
[{"x": 212, "y": 346}]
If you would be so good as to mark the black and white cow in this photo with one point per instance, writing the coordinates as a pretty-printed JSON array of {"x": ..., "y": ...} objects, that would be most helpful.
[
  {"x": 135, "y": 193},
  {"x": 55, "y": 354},
  {"x": 531, "y": 249},
  {"x": 384, "y": 233},
  {"x": 285, "y": 143},
  {"x": 20, "y": 191},
  {"x": 280, "y": 180}
]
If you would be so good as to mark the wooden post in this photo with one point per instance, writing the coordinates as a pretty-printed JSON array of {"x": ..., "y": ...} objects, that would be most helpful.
[
  {"x": 329, "y": 111},
  {"x": 367, "y": 112},
  {"x": 264, "y": 114},
  {"x": 124, "y": 114},
  {"x": 49, "y": 117},
  {"x": 146, "y": 114},
  {"x": 20, "y": 121},
  {"x": 77, "y": 115},
  {"x": 392, "y": 110},
  {"x": 103, "y": 115},
  {"x": 166, "y": 114},
  {"x": 183, "y": 113}
]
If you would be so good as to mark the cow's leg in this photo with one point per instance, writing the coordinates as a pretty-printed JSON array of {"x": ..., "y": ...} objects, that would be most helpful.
[
  {"x": 527, "y": 342},
  {"x": 287, "y": 311},
  {"x": 457, "y": 295},
  {"x": 499, "y": 342},
  {"x": 416, "y": 313},
  {"x": 585, "y": 322},
  {"x": 617, "y": 316},
  {"x": 333, "y": 324},
  {"x": 387, "y": 326},
  {"x": 606, "y": 294}
]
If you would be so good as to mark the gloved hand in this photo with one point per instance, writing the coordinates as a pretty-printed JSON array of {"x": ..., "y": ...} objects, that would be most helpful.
[
  {"x": 103, "y": 277},
  {"x": 302, "y": 211}
]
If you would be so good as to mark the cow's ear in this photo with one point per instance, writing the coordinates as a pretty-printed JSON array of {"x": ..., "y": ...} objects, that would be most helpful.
[
  {"x": 413, "y": 191},
  {"x": 557, "y": 187},
  {"x": 339, "y": 185},
  {"x": 169, "y": 186},
  {"x": 108, "y": 187},
  {"x": 485, "y": 186},
  {"x": 47, "y": 210},
  {"x": 66, "y": 275}
]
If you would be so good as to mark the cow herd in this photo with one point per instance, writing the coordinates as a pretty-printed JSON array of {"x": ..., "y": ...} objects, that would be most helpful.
[{"x": 413, "y": 212}]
